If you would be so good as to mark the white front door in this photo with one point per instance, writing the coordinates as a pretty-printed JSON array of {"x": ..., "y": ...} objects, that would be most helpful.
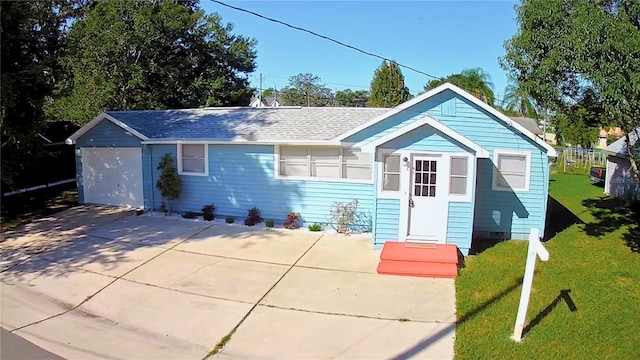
[
  {"x": 428, "y": 201},
  {"x": 112, "y": 176}
]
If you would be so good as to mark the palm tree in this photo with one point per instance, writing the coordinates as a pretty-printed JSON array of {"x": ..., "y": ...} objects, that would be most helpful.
[
  {"x": 474, "y": 80},
  {"x": 479, "y": 83},
  {"x": 517, "y": 100}
]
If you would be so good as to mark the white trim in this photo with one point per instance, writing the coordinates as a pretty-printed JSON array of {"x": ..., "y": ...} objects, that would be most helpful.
[
  {"x": 386, "y": 194},
  {"x": 277, "y": 176},
  {"x": 244, "y": 141},
  {"x": 206, "y": 160},
  {"x": 551, "y": 152},
  {"x": 471, "y": 177},
  {"x": 405, "y": 185},
  {"x": 496, "y": 153},
  {"x": 405, "y": 189},
  {"x": 72, "y": 139},
  {"x": 370, "y": 146}
]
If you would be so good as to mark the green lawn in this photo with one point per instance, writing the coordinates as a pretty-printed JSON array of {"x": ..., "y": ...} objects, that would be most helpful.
[{"x": 592, "y": 263}]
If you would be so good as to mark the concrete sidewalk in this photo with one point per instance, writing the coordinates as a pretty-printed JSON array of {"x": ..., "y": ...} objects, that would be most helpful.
[{"x": 142, "y": 287}]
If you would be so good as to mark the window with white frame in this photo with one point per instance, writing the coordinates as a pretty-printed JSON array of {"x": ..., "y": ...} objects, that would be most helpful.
[
  {"x": 458, "y": 175},
  {"x": 324, "y": 162},
  {"x": 390, "y": 172},
  {"x": 192, "y": 159},
  {"x": 512, "y": 170}
]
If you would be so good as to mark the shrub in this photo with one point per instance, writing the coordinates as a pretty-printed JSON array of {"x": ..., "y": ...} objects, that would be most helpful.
[
  {"x": 208, "y": 212},
  {"x": 190, "y": 215},
  {"x": 292, "y": 220},
  {"x": 169, "y": 183},
  {"x": 270, "y": 223},
  {"x": 229, "y": 219},
  {"x": 344, "y": 216},
  {"x": 253, "y": 217},
  {"x": 315, "y": 227}
]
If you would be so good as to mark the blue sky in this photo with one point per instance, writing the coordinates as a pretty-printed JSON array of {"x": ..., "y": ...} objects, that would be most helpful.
[{"x": 437, "y": 37}]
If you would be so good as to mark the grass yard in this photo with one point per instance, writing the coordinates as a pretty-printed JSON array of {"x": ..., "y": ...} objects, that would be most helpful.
[{"x": 585, "y": 301}]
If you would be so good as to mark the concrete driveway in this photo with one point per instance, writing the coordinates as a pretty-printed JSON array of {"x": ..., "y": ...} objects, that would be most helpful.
[{"x": 98, "y": 282}]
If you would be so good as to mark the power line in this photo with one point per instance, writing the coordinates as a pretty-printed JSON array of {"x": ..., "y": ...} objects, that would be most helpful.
[{"x": 324, "y": 37}]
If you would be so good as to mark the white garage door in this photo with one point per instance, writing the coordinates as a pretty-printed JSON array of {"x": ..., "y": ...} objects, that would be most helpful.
[{"x": 112, "y": 176}]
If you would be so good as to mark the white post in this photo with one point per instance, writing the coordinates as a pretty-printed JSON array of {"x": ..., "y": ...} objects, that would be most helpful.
[{"x": 535, "y": 249}]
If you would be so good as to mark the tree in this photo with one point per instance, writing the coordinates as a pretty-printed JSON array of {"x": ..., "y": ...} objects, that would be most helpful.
[
  {"x": 563, "y": 49},
  {"x": 169, "y": 183},
  {"x": 517, "y": 101},
  {"x": 152, "y": 55},
  {"x": 475, "y": 80},
  {"x": 32, "y": 38},
  {"x": 351, "y": 98},
  {"x": 306, "y": 90},
  {"x": 387, "y": 86}
]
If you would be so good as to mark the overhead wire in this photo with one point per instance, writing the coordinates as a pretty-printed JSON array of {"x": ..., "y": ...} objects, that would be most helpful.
[{"x": 326, "y": 38}]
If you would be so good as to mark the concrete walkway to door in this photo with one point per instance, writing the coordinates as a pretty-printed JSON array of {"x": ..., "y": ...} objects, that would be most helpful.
[{"x": 114, "y": 285}]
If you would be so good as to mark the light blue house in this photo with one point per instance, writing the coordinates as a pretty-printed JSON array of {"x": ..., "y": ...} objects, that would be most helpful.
[{"x": 443, "y": 167}]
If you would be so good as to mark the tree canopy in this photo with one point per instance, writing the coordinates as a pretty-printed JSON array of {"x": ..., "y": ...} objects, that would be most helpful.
[
  {"x": 306, "y": 89},
  {"x": 475, "y": 80},
  {"x": 565, "y": 48},
  {"x": 127, "y": 55},
  {"x": 387, "y": 87},
  {"x": 32, "y": 36},
  {"x": 351, "y": 98}
]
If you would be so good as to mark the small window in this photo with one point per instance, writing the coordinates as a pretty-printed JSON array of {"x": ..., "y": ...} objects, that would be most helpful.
[
  {"x": 193, "y": 159},
  {"x": 458, "y": 175},
  {"x": 391, "y": 172},
  {"x": 511, "y": 171}
]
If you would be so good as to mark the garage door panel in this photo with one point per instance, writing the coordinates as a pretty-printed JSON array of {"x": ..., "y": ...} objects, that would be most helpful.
[{"x": 112, "y": 176}]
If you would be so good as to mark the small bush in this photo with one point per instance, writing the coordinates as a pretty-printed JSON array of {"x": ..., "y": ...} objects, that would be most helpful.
[
  {"x": 315, "y": 227},
  {"x": 253, "y": 217},
  {"x": 208, "y": 212},
  {"x": 344, "y": 216},
  {"x": 292, "y": 220},
  {"x": 190, "y": 215},
  {"x": 270, "y": 223},
  {"x": 229, "y": 220}
]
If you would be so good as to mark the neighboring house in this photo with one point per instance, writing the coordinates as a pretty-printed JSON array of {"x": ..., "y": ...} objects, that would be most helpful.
[
  {"x": 604, "y": 134},
  {"x": 267, "y": 101},
  {"x": 529, "y": 124},
  {"x": 619, "y": 179},
  {"x": 442, "y": 167}
]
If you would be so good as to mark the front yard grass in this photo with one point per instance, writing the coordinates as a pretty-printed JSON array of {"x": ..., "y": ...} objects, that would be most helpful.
[{"x": 585, "y": 299}]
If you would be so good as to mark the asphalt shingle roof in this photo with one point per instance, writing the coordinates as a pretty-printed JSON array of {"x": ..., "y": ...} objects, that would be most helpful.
[
  {"x": 619, "y": 147},
  {"x": 247, "y": 123},
  {"x": 528, "y": 123}
]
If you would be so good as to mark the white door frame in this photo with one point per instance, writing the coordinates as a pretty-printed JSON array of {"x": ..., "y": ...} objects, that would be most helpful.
[{"x": 405, "y": 191}]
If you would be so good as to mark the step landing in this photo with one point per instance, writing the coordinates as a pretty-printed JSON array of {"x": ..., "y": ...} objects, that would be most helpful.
[{"x": 424, "y": 260}]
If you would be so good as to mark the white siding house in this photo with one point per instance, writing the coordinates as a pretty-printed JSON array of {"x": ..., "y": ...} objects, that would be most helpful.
[{"x": 619, "y": 180}]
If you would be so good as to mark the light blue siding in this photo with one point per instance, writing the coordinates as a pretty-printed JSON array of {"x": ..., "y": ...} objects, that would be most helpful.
[
  {"x": 497, "y": 213},
  {"x": 425, "y": 138},
  {"x": 107, "y": 134},
  {"x": 459, "y": 225},
  {"x": 460, "y": 221},
  {"x": 429, "y": 107},
  {"x": 104, "y": 134},
  {"x": 242, "y": 176},
  {"x": 387, "y": 220}
]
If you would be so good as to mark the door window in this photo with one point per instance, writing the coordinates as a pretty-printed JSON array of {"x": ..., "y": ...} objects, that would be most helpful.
[{"x": 424, "y": 181}]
